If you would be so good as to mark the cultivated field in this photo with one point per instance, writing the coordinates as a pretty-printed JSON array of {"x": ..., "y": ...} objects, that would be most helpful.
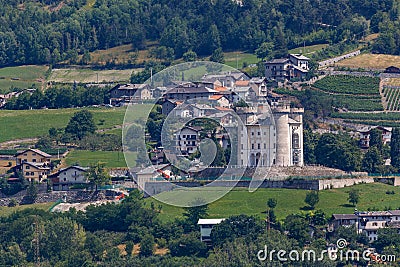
[
  {"x": 90, "y": 76},
  {"x": 21, "y": 77},
  {"x": 240, "y": 201},
  {"x": 370, "y": 61}
]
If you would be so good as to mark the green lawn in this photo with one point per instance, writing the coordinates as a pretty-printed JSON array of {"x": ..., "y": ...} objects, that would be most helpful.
[
  {"x": 6, "y": 211},
  {"x": 111, "y": 159},
  {"x": 21, "y": 77},
  {"x": 16, "y": 124},
  {"x": 240, "y": 201},
  {"x": 236, "y": 59},
  {"x": 308, "y": 49}
]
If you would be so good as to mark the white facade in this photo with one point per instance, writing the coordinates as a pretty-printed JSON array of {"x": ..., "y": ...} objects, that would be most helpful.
[
  {"x": 206, "y": 226},
  {"x": 72, "y": 175},
  {"x": 187, "y": 140}
]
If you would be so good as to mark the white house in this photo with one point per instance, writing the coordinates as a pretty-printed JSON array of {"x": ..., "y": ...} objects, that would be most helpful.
[
  {"x": 206, "y": 225},
  {"x": 73, "y": 175},
  {"x": 188, "y": 140}
]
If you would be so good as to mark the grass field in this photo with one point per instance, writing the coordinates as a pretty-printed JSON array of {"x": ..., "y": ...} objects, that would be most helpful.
[
  {"x": 308, "y": 50},
  {"x": 393, "y": 82},
  {"x": 90, "y": 76},
  {"x": 120, "y": 55},
  {"x": 370, "y": 61},
  {"x": 17, "y": 124},
  {"x": 236, "y": 59},
  {"x": 21, "y": 77},
  {"x": 6, "y": 211},
  {"x": 240, "y": 201},
  {"x": 111, "y": 159}
]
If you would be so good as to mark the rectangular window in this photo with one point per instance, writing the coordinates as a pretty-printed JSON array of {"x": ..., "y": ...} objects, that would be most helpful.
[
  {"x": 27, "y": 173},
  {"x": 259, "y": 146}
]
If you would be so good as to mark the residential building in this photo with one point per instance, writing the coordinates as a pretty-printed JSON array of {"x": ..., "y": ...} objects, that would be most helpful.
[
  {"x": 206, "y": 226},
  {"x": 188, "y": 139},
  {"x": 125, "y": 93},
  {"x": 368, "y": 222},
  {"x": 35, "y": 171},
  {"x": 189, "y": 91},
  {"x": 365, "y": 135},
  {"x": 66, "y": 177},
  {"x": 170, "y": 104},
  {"x": 33, "y": 156},
  {"x": 294, "y": 66},
  {"x": 152, "y": 173}
]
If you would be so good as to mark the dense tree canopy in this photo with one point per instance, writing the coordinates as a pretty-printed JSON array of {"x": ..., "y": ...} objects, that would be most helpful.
[{"x": 36, "y": 32}]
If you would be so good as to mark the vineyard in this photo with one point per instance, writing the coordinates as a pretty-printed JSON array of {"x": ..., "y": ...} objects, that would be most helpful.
[
  {"x": 392, "y": 96},
  {"x": 357, "y": 103},
  {"x": 393, "y": 116},
  {"x": 346, "y": 84}
]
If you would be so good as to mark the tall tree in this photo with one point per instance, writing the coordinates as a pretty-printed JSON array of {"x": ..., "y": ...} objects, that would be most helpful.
[
  {"x": 395, "y": 148},
  {"x": 312, "y": 198},
  {"x": 81, "y": 124}
]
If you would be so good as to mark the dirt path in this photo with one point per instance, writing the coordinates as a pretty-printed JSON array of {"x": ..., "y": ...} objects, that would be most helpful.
[{"x": 17, "y": 142}]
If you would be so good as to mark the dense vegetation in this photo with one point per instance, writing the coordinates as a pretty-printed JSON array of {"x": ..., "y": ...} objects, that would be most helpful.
[
  {"x": 346, "y": 84},
  {"x": 36, "y": 32},
  {"x": 131, "y": 234}
]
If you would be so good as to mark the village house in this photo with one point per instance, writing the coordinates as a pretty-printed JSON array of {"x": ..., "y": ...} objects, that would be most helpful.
[
  {"x": 153, "y": 173},
  {"x": 364, "y": 134},
  {"x": 294, "y": 66},
  {"x": 32, "y": 155},
  {"x": 170, "y": 104},
  {"x": 66, "y": 177},
  {"x": 123, "y": 94},
  {"x": 206, "y": 226},
  {"x": 368, "y": 222},
  {"x": 189, "y": 91},
  {"x": 220, "y": 100},
  {"x": 188, "y": 139},
  {"x": 35, "y": 171}
]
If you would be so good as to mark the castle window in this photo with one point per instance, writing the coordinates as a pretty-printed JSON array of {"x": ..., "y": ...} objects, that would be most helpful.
[{"x": 295, "y": 140}]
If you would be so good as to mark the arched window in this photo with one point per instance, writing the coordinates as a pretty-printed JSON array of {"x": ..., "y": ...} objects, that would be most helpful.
[{"x": 295, "y": 140}]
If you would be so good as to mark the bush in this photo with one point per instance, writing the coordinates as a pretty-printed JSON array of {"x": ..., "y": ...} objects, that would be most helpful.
[{"x": 13, "y": 202}]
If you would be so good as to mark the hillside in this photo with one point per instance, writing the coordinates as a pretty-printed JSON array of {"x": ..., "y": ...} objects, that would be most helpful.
[{"x": 51, "y": 32}]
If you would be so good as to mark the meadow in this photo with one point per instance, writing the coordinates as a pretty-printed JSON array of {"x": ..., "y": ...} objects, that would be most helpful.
[
  {"x": 21, "y": 77},
  {"x": 111, "y": 159},
  {"x": 6, "y": 211},
  {"x": 90, "y": 76},
  {"x": 290, "y": 201},
  {"x": 18, "y": 124},
  {"x": 307, "y": 50},
  {"x": 370, "y": 61}
]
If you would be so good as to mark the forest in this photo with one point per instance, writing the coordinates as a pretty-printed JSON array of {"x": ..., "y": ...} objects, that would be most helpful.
[{"x": 54, "y": 31}]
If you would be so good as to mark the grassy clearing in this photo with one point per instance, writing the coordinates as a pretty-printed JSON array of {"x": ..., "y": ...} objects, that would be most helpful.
[
  {"x": 370, "y": 61},
  {"x": 90, "y": 76},
  {"x": 308, "y": 50},
  {"x": 111, "y": 159},
  {"x": 6, "y": 211},
  {"x": 21, "y": 77},
  {"x": 240, "y": 201},
  {"x": 17, "y": 124},
  {"x": 236, "y": 59},
  {"x": 121, "y": 54}
]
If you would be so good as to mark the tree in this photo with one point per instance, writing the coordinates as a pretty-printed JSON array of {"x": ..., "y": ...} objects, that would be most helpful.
[
  {"x": 44, "y": 142},
  {"x": 188, "y": 245},
  {"x": 354, "y": 196},
  {"x": 147, "y": 246},
  {"x": 234, "y": 227},
  {"x": 218, "y": 56},
  {"x": 80, "y": 125},
  {"x": 189, "y": 56},
  {"x": 97, "y": 175},
  {"x": 31, "y": 193},
  {"x": 312, "y": 198},
  {"x": 264, "y": 51},
  {"x": 298, "y": 228},
  {"x": 395, "y": 148},
  {"x": 372, "y": 161},
  {"x": 375, "y": 139},
  {"x": 272, "y": 202},
  {"x": 198, "y": 209},
  {"x": 85, "y": 58}
]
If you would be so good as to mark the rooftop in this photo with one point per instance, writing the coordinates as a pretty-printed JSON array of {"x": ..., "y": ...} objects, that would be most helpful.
[{"x": 209, "y": 221}]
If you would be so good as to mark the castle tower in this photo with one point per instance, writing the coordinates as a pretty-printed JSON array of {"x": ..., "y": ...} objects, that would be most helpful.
[{"x": 289, "y": 134}]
